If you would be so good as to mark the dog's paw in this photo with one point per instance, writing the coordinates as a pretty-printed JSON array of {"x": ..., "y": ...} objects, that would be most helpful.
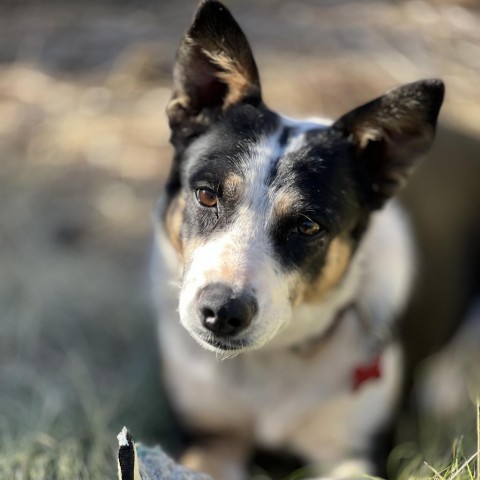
[
  {"x": 350, "y": 469},
  {"x": 209, "y": 461}
]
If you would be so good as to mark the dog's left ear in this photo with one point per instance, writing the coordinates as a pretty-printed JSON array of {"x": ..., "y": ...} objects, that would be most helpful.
[
  {"x": 214, "y": 69},
  {"x": 389, "y": 135}
]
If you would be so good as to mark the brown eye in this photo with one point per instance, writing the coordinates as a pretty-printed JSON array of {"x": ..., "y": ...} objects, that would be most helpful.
[
  {"x": 206, "y": 197},
  {"x": 308, "y": 228}
]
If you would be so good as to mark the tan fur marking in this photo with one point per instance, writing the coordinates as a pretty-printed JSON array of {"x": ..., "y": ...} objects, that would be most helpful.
[
  {"x": 337, "y": 261},
  {"x": 173, "y": 223},
  {"x": 233, "y": 185},
  {"x": 234, "y": 75},
  {"x": 228, "y": 271},
  {"x": 189, "y": 247},
  {"x": 283, "y": 203}
]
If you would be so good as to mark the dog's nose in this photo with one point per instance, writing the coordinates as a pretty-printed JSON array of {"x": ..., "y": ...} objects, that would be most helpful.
[{"x": 224, "y": 312}]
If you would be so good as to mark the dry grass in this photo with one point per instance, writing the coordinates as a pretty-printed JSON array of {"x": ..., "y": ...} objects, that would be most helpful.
[{"x": 462, "y": 463}]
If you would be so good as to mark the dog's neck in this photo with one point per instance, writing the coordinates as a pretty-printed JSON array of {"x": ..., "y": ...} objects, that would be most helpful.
[{"x": 378, "y": 281}]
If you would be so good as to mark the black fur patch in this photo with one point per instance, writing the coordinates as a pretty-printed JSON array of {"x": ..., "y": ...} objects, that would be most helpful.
[{"x": 322, "y": 174}]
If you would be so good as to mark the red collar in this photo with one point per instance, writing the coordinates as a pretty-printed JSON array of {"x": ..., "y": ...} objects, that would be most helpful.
[{"x": 363, "y": 373}]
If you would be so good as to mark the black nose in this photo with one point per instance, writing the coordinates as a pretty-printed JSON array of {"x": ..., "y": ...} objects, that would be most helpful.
[{"x": 224, "y": 312}]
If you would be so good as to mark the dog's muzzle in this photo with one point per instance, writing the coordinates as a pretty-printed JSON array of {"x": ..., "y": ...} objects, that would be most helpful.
[{"x": 224, "y": 312}]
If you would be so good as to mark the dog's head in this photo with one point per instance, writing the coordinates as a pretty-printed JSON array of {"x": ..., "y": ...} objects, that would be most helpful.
[{"x": 267, "y": 212}]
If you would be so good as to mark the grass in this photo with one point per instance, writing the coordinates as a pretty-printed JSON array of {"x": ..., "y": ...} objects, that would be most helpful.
[
  {"x": 461, "y": 463},
  {"x": 78, "y": 354},
  {"x": 54, "y": 430}
]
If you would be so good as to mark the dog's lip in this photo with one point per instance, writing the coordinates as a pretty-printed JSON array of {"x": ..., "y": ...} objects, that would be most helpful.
[{"x": 226, "y": 344}]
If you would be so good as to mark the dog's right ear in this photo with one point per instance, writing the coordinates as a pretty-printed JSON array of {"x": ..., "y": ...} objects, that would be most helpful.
[{"x": 214, "y": 69}]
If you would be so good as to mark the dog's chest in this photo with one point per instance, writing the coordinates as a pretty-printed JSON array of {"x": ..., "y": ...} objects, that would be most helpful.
[
  {"x": 287, "y": 392},
  {"x": 287, "y": 397}
]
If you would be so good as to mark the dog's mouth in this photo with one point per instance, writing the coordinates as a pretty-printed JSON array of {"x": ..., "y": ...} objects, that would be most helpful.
[{"x": 224, "y": 344}]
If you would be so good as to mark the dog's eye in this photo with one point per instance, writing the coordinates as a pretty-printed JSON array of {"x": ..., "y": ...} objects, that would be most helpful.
[
  {"x": 206, "y": 197},
  {"x": 308, "y": 228}
]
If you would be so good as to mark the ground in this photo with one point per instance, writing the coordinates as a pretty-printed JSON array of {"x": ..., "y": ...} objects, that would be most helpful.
[{"x": 84, "y": 151}]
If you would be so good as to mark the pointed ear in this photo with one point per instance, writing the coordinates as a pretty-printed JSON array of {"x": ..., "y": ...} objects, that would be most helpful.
[
  {"x": 214, "y": 70},
  {"x": 390, "y": 134}
]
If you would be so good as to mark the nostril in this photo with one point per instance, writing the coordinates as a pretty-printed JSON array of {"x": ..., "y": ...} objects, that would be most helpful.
[{"x": 207, "y": 313}]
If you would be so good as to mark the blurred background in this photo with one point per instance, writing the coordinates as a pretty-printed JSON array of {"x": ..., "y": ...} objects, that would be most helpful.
[{"x": 83, "y": 154}]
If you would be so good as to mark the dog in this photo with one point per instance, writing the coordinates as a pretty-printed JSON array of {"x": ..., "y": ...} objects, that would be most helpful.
[{"x": 283, "y": 262}]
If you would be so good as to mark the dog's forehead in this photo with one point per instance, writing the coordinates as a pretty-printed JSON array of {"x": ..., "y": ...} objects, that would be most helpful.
[
  {"x": 294, "y": 133},
  {"x": 252, "y": 148}
]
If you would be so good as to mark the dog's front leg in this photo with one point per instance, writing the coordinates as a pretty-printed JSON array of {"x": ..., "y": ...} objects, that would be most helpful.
[{"x": 223, "y": 457}]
